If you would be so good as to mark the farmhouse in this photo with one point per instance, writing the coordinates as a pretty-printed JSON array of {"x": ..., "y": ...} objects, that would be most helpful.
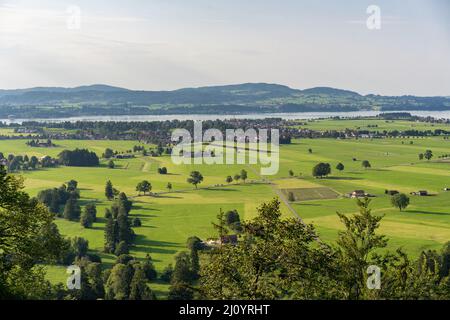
[
  {"x": 124, "y": 156},
  {"x": 422, "y": 193},
  {"x": 358, "y": 194},
  {"x": 211, "y": 243},
  {"x": 226, "y": 239}
]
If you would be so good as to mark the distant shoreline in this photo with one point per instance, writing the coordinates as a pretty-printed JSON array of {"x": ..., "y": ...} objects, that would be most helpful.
[{"x": 284, "y": 115}]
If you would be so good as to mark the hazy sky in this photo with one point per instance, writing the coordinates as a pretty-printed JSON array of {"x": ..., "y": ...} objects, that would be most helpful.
[{"x": 169, "y": 44}]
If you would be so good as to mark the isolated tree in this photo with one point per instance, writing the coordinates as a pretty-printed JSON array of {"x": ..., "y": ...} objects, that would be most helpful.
[
  {"x": 421, "y": 156},
  {"x": 91, "y": 211},
  {"x": 169, "y": 186},
  {"x": 340, "y": 166},
  {"x": 72, "y": 185},
  {"x": 366, "y": 164},
  {"x": 400, "y": 201},
  {"x": 86, "y": 220},
  {"x": 109, "y": 190},
  {"x": 243, "y": 175},
  {"x": 143, "y": 186},
  {"x": 310, "y": 150},
  {"x": 428, "y": 155},
  {"x": 321, "y": 170},
  {"x": 237, "y": 177},
  {"x": 229, "y": 179},
  {"x": 109, "y": 153},
  {"x": 162, "y": 170},
  {"x": 291, "y": 173},
  {"x": 72, "y": 210},
  {"x": 111, "y": 164},
  {"x": 195, "y": 178}
]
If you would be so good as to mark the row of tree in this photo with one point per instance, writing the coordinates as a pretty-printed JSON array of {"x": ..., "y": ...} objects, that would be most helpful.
[
  {"x": 119, "y": 234},
  {"x": 428, "y": 154},
  {"x": 56, "y": 197},
  {"x": 324, "y": 169},
  {"x": 18, "y": 162},
  {"x": 38, "y": 143},
  {"x": 243, "y": 175},
  {"x": 126, "y": 280},
  {"x": 78, "y": 158}
]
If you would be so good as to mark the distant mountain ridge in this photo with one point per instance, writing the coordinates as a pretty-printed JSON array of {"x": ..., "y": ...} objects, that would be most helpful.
[{"x": 100, "y": 99}]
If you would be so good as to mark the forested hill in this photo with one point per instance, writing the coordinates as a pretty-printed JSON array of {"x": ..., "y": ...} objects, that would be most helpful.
[{"x": 232, "y": 99}]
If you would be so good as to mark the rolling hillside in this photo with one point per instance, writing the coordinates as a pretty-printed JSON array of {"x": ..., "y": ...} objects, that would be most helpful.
[{"x": 230, "y": 99}]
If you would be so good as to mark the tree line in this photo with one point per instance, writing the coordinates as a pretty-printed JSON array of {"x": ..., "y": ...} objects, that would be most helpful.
[{"x": 15, "y": 163}]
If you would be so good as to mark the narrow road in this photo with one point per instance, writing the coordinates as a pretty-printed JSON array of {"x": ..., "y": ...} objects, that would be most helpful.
[
  {"x": 279, "y": 194},
  {"x": 285, "y": 201}
]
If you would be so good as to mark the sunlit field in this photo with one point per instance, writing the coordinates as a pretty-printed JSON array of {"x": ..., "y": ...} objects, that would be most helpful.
[{"x": 169, "y": 218}]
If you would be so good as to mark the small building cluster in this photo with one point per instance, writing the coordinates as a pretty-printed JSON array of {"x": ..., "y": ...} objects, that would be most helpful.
[
  {"x": 359, "y": 194},
  {"x": 225, "y": 239},
  {"x": 124, "y": 156},
  {"x": 421, "y": 193}
]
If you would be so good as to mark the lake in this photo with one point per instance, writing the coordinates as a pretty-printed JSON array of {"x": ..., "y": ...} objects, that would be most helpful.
[{"x": 287, "y": 116}]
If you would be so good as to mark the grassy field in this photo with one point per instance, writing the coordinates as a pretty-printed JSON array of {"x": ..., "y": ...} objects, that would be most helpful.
[
  {"x": 168, "y": 220},
  {"x": 369, "y": 124}
]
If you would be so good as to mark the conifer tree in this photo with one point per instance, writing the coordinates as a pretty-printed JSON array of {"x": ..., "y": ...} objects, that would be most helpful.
[{"x": 109, "y": 190}]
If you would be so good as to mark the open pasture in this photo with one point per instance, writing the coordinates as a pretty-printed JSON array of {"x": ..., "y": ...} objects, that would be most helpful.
[
  {"x": 370, "y": 124},
  {"x": 170, "y": 218},
  {"x": 305, "y": 194}
]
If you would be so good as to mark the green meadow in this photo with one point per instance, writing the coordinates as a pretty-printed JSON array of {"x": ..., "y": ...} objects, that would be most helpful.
[
  {"x": 369, "y": 124},
  {"x": 170, "y": 218}
]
